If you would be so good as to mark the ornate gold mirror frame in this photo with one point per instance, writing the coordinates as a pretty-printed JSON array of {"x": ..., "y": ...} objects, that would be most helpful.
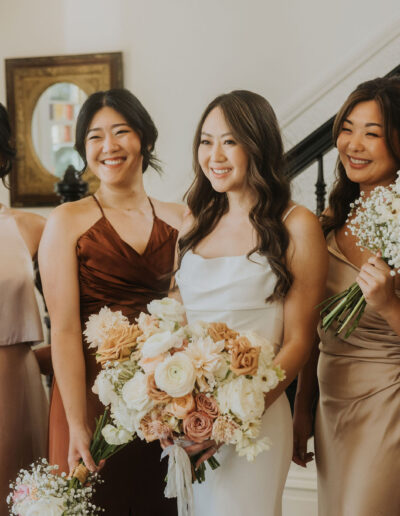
[{"x": 27, "y": 78}]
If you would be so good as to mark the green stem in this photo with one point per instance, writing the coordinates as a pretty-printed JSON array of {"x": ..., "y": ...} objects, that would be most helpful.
[
  {"x": 357, "y": 319},
  {"x": 351, "y": 315},
  {"x": 99, "y": 448},
  {"x": 347, "y": 304}
]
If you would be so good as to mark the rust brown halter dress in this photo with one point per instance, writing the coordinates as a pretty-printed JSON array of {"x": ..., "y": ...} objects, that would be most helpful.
[{"x": 112, "y": 273}]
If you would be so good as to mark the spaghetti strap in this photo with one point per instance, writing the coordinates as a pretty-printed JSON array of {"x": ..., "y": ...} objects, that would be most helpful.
[
  {"x": 289, "y": 212},
  {"x": 152, "y": 207},
  {"x": 98, "y": 204}
]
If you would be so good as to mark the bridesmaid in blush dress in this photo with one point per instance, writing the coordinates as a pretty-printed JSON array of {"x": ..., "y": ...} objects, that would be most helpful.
[
  {"x": 357, "y": 433},
  {"x": 115, "y": 248},
  {"x": 245, "y": 254},
  {"x": 23, "y": 403}
]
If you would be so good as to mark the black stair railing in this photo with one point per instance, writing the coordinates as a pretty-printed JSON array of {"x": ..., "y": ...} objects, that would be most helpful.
[{"x": 313, "y": 149}]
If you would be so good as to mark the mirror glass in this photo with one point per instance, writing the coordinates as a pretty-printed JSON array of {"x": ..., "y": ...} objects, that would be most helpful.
[{"x": 53, "y": 127}]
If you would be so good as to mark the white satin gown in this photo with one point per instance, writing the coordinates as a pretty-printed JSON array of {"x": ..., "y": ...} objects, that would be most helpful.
[{"x": 233, "y": 290}]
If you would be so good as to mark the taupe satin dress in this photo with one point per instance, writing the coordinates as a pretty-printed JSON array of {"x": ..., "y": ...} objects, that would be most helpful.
[
  {"x": 357, "y": 435},
  {"x": 23, "y": 403}
]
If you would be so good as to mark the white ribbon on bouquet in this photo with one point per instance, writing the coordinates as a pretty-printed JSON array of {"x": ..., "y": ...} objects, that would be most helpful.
[{"x": 179, "y": 483}]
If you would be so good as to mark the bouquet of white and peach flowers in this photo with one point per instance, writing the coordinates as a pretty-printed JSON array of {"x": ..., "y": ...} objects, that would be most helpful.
[
  {"x": 39, "y": 492},
  {"x": 375, "y": 221},
  {"x": 163, "y": 379}
]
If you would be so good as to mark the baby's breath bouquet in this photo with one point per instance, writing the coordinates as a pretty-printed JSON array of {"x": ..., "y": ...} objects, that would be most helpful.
[
  {"x": 40, "y": 491},
  {"x": 375, "y": 221}
]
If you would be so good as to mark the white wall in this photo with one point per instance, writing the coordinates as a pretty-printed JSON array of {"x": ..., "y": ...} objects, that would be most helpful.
[{"x": 179, "y": 54}]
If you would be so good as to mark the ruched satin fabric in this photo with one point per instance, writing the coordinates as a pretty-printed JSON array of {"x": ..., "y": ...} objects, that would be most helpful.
[
  {"x": 357, "y": 427},
  {"x": 113, "y": 274}
]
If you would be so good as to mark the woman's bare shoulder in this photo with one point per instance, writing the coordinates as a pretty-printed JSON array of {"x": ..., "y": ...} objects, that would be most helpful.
[
  {"x": 170, "y": 212},
  {"x": 31, "y": 227},
  {"x": 30, "y": 221},
  {"x": 297, "y": 214},
  {"x": 73, "y": 218},
  {"x": 303, "y": 226}
]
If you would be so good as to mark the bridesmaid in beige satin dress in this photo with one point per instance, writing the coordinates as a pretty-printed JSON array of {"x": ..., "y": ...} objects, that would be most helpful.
[
  {"x": 357, "y": 431},
  {"x": 23, "y": 403}
]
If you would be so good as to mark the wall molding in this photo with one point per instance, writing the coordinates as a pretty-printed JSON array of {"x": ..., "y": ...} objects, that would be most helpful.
[{"x": 304, "y": 480}]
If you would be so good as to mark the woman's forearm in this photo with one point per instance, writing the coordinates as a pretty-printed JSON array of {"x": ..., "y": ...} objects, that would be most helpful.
[
  {"x": 69, "y": 369},
  {"x": 307, "y": 383},
  {"x": 291, "y": 358}
]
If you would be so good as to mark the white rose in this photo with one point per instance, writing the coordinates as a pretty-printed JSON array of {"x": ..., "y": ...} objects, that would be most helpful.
[
  {"x": 167, "y": 325},
  {"x": 167, "y": 309},
  {"x": 104, "y": 389},
  {"x": 48, "y": 505},
  {"x": 243, "y": 397},
  {"x": 116, "y": 435},
  {"x": 134, "y": 393},
  {"x": 160, "y": 343},
  {"x": 176, "y": 375},
  {"x": 125, "y": 417},
  {"x": 221, "y": 369},
  {"x": 198, "y": 329}
]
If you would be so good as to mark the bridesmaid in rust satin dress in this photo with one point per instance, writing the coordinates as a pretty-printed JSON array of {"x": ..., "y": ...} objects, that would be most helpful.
[{"x": 119, "y": 251}]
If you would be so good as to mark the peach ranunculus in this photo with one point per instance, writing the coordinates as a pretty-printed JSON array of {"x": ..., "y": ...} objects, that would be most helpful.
[
  {"x": 224, "y": 430},
  {"x": 118, "y": 344},
  {"x": 153, "y": 427},
  {"x": 220, "y": 331},
  {"x": 181, "y": 407},
  {"x": 207, "y": 404},
  {"x": 198, "y": 426},
  {"x": 244, "y": 357},
  {"x": 156, "y": 394}
]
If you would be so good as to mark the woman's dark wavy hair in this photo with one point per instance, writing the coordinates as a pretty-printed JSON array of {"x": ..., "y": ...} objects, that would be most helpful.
[
  {"x": 129, "y": 106},
  {"x": 7, "y": 152},
  {"x": 253, "y": 124},
  {"x": 386, "y": 93}
]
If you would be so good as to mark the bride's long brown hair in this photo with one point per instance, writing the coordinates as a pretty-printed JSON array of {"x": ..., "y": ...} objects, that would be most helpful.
[{"x": 253, "y": 124}]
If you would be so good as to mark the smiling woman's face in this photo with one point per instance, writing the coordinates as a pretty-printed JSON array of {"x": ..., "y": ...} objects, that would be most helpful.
[
  {"x": 113, "y": 148},
  {"x": 222, "y": 159},
  {"x": 362, "y": 147}
]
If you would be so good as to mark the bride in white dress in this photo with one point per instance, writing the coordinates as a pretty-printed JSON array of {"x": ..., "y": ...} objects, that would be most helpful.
[{"x": 251, "y": 258}]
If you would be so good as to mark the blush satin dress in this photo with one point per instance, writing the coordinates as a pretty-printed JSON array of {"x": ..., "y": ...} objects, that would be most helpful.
[
  {"x": 23, "y": 402},
  {"x": 113, "y": 274}
]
